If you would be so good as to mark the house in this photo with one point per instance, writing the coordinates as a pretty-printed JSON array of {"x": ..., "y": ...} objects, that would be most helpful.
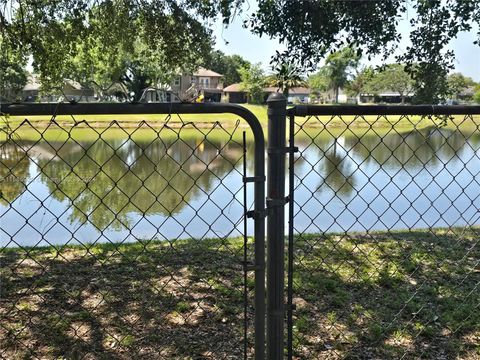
[
  {"x": 203, "y": 82},
  {"x": 386, "y": 97},
  {"x": 72, "y": 90},
  {"x": 295, "y": 95},
  {"x": 234, "y": 94}
]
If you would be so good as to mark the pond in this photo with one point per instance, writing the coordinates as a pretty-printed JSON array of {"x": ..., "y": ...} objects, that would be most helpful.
[{"x": 121, "y": 189}]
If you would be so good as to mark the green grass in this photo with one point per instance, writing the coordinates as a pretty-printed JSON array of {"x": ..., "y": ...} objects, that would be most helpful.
[
  {"x": 378, "y": 295},
  {"x": 260, "y": 111}
]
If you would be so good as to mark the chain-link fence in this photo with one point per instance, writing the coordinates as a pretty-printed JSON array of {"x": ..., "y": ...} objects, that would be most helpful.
[
  {"x": 128, "y": 239},
  {"x": 384, "y": 253}
]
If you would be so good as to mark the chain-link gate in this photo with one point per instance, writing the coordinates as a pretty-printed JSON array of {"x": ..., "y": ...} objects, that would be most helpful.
[
  {"x": 383, "y": 243},
  {"x": 129, "y": 239}
]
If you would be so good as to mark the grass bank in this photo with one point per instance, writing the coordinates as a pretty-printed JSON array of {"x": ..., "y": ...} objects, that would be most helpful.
[
  {"x": 260, "y": 111},
  {"x": 378, "y": 295}
]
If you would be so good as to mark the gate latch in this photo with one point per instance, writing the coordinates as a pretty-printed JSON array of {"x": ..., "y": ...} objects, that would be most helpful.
[{"x": 272, "y": 204}]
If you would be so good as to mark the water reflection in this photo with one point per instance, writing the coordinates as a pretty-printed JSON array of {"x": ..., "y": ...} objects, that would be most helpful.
[
  {"x": 106, "y": 181},
  {"x": 14, "y": 170},
  {"x": 339, "y": 161},
  {"x": 110, "y": 190}
]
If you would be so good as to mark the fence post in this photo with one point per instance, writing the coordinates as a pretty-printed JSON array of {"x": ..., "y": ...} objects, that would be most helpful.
[{"x": 277, "y": 111}]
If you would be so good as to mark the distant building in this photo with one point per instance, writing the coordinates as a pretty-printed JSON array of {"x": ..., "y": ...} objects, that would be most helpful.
[
  {"x": 71, "y": 90},
  {"x": 387, "y": 97},
  {"x": 295, "y": 95},
  {"x": 205, "y": 84},
  {"x": 235, "y": 94}
]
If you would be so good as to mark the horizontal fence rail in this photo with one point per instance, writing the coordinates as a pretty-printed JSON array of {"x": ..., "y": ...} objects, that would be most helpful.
[
  {"x": 130, "y": 240},
  {"x": 383, "y": 250}
]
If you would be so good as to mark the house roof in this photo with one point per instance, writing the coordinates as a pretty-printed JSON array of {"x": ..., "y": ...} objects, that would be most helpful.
[
  {"x": 270, "y": 89},
  {"x": 206, "y": 73},
  {"x": 467, "y": 92},
  {"x": 33, "y": 83},
  {"x": 233, "y": 88},
  {"x": 292, "y": 91}
]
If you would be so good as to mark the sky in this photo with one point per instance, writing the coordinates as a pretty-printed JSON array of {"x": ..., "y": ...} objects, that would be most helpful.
[{"x": 237, "y": 40}]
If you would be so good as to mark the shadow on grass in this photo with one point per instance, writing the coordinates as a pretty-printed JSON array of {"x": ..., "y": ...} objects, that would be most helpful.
[
  {"x": 414, "y": 294},
  {"x": 359, "y": 296},
  {"x": 181, "y": 299}
]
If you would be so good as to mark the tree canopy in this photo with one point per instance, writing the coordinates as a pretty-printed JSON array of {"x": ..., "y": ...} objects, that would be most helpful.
[
  {"x": 457, "y": 82},
  {"x": 180, "y": 32},
  {"x": 286, "y": 77},
  {"x": 312, "y": 29},
  {"x": 392, "y": 77},
  {"x": 133, "y": 42},
  {"x": 252, "y": 82},
  {"x": 13, "y": 76},
  {"x": 227, "y": 65}
]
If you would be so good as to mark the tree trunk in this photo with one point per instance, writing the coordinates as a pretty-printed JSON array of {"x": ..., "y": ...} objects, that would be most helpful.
[{"x": 336, "y": 94}]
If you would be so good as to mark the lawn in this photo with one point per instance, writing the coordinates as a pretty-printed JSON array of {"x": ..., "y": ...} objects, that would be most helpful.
[
  {"x": 260, "y": 111},
  {"x": 358, "y": 296}
]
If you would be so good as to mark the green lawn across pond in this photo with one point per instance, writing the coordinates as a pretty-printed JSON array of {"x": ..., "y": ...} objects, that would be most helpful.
[
  {"x": 230, "y": 120},
  {"x": 379, "y": 295}
]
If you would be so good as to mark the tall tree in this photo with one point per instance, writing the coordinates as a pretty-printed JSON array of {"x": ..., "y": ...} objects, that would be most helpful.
[
  {"x": 111, "y": 40},
  {"x": 319, "y": 82},
  {"x": 13, "y": 75},
  {"x": 252, "y": 82},
  {"x": 392, "y": 77},
  {"x": 339, "y": 67},
  {"x": 361, "y": 82}
]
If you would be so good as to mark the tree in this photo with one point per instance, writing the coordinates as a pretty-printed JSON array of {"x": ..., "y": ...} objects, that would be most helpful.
[
  {"x": 392, "y": 77},
  {"x": 286, "y": 77},
  {"x": 13, "y": 76},
  {"x": 458, "y": 82},
  {"x": 319, "y": 82},
  {"x": 252, "y": 82},
  {"x": 227, "y": 65},
  {"x": 362, "y": 81},
  {"x": 50, "y": 29},
  {"x": 339, "y": 66},
  {"x": 311, "y": 29},
  {"x": 476, "y": 96},
  {"x": 110, "y": 40}
]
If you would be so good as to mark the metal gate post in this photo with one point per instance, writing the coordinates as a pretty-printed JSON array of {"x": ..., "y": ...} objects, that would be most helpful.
[{"x": 277, "y": 111}]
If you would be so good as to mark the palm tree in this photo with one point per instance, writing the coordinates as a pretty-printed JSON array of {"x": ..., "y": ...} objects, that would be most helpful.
[{"x": 286, "y": 77}]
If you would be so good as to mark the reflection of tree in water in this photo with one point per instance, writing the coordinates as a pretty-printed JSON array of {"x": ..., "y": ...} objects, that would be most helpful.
[
  {"x": 14, "y": 165},
  {"x": 410, "y": 150},
  {"x": 336, "y": 170},
  {"x": 110, "y": 180}
]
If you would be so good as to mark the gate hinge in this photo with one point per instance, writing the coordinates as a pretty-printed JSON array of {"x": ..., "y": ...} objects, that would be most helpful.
[
  {"x": 247, "y": 179},
  {"x": 283, "y": 150},
  {"x": 251, "y": 267}
]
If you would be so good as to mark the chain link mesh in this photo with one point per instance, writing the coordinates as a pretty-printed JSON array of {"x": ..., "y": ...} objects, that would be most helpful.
[
  {"x": 123, "y": 239},
  {"x": 386, "y": 255}
]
